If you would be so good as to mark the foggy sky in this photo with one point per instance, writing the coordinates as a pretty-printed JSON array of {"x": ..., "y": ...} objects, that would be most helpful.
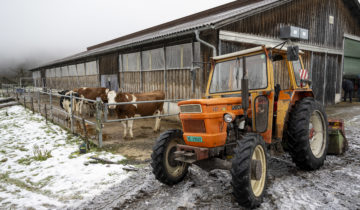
[{"x": 40, "y": 31}]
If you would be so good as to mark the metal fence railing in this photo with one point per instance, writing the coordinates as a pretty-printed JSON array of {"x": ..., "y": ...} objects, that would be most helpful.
[{"x": 31, "y": 95}]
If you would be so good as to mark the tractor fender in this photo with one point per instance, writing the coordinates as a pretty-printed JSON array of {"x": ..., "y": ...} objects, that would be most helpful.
[
  {"x": 285, "y": 104},
  {"x": 297, "y": 95}
]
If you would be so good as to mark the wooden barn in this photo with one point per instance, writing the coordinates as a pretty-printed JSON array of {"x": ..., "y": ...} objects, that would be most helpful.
[{"x": 175, "y": 56}]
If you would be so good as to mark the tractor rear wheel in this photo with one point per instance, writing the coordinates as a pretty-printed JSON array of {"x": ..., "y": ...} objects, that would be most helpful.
[
  {"x": 165, "y": 168},
  {"x": 249, "y": 170},
  {"x": 308, "y": 136}
]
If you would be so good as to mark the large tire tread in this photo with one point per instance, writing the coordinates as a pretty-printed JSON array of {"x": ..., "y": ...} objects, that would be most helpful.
[
  {"x": 157, "y": 157},
  {"x": 298, "y": 134},
  {"x": 240, "y": 171}
]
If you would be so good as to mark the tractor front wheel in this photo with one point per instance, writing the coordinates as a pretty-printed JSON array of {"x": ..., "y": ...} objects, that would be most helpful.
[
  {"x": 249, "y": 170},
  {"x": 165, "y": 168}
]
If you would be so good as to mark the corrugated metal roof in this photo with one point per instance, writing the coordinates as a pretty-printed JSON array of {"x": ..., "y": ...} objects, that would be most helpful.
[{"x": 211, "y": 21}]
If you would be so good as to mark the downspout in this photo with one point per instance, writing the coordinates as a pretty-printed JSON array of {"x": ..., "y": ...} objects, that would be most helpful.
[
  {"x": 214, "y": 54},
  {"x": 205, "y": 43}
]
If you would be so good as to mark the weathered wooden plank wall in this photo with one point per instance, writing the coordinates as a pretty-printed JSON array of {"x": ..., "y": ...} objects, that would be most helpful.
[
  {"x": 313, "y": 15},
  {"x": 318, "y": 72},
  {"x": 153, "y": 80},
  {"x": 130, "y": 82},
  {"x": 310, "y": 14}
]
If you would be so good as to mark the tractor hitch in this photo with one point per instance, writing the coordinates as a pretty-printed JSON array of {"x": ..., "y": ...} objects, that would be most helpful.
[{"x": 190, "y": 154}]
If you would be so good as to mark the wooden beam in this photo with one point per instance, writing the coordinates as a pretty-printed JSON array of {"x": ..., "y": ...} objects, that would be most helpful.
[{"x": 259, "y": 40}]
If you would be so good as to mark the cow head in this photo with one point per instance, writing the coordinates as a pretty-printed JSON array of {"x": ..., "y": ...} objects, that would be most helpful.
[{"x": 111, "y": 95}]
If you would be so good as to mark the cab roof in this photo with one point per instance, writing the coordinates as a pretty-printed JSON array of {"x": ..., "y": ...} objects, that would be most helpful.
[{"x": 251, "y": 50}]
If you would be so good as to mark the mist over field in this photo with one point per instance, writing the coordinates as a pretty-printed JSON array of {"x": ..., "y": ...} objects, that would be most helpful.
[{"x": 39, "y": 31}]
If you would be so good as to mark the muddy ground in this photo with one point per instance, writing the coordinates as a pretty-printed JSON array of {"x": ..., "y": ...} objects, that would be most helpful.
[{"x": 335, "y": 186}]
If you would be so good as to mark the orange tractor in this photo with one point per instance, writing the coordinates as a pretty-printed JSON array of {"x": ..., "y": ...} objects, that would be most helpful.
[{"x": 246, "y": 110}]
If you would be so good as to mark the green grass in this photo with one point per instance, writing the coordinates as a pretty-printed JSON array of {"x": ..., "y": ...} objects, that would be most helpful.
[
  {"x": 21, "y": 148},
  {"x": 41, "y": 155},
  {"x": 27, "y": 185},
  {"x": 25, "y": 161},
  {"x": 38, "y": 155}
]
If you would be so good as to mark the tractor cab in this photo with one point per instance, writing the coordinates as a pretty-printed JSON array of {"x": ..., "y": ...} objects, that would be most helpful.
[{"x": 249, "y": 75}]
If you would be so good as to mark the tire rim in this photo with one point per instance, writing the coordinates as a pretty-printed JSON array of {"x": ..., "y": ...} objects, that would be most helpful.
[
  {"x": 317, "y": 134},
  {"x": 258, "y": 185},
  {"x": 174, "y": 167}
]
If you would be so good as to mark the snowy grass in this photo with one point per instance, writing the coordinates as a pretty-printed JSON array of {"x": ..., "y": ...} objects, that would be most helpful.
[{"x": 40, "y": 166}]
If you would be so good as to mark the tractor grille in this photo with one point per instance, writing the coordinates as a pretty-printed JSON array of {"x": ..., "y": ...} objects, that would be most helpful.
[
  {"x": 194, "y": 126},
  {"x": 192, "y": 108}
]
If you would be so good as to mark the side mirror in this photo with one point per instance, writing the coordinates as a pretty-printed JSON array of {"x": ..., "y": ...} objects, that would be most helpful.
[{"x": 293, "y": 53}]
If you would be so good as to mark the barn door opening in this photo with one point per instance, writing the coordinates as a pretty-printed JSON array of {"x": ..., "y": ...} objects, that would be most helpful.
[
  {"x": 352, "y": 62},
  {"x": 110, "y": 81}
]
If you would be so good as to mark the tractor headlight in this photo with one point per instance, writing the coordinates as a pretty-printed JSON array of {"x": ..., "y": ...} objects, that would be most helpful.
[{"x": 228, "y": 117}]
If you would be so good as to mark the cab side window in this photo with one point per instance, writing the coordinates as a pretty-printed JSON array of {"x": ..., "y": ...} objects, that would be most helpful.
[{"x": 281, "y": 74}]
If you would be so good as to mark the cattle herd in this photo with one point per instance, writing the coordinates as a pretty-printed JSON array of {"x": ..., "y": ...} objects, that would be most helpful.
[{"x": 123, "y": 111}]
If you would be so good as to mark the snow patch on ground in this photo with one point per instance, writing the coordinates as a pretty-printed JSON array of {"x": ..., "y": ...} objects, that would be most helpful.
[{"x": 61, "y": 181}]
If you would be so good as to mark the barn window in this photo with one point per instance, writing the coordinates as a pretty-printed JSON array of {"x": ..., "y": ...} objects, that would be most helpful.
[
  {"x": 58, "y": 72},
  {"x": 48, "y": 73},
  {"x": 72, "y": 71},
  {"x": 64, "y": 71},
  {"x": 36, "y": 75},
  {"x": 80, "y": 69},
  {"x": 153, "y": 59},
  {"x": 53, "y": 73},
  {"x": 131, "y": 62},
  {"x": 179, "y": 56},
  {"x": 91, "y": 68}
]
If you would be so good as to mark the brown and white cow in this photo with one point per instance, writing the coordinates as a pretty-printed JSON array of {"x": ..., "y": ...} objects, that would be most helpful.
[
  {"x": 92, "y": 94},
  {"x": 142, "y": 109}
]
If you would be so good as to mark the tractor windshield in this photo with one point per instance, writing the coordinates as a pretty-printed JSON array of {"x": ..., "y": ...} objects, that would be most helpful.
[{"x": 227, "y": 75}]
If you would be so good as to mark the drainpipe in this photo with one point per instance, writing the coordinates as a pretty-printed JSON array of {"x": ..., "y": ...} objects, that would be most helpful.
[{"x": 205, "y": 43}]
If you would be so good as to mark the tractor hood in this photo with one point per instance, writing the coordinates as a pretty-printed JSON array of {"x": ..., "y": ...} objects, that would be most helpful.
[{"x": 212, "y": 101}]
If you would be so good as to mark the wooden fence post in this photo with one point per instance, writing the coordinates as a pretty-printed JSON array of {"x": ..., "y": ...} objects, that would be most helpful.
[
  {"x": 46, "y": 114},
  {"x": 32, "y": 105},
  {"x": 85, "y": 135},
  {"x": 39, "y": 101},
  {"x": 71, "y": 113},
  {"x": 98, "y": 121},
  {"x": 51, "y": 114}
]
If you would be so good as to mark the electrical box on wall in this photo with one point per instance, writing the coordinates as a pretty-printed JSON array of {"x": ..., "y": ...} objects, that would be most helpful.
[
  {"x": 289, "y": 32},
  {"x": 304, "y": 34},
  {"x": 292, "y": 32}
]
